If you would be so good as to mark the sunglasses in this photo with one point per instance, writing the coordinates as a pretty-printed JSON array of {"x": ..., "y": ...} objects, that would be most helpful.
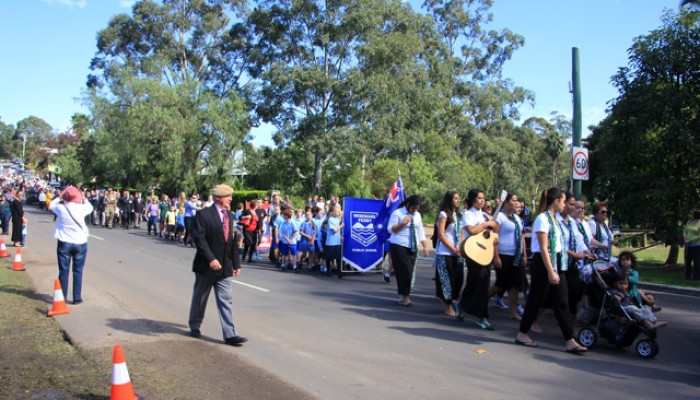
[{"x": 604, "y": 212}]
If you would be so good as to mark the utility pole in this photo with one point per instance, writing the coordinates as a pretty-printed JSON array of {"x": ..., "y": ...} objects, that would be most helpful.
[
  {"x": 24, "y": 145},
  {"x": 576, "y": 90}
]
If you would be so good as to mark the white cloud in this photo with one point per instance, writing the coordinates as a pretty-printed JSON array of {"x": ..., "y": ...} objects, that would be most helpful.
[
  {"x": 127, "y": 3},
  {"x": 68, "y": 3}
]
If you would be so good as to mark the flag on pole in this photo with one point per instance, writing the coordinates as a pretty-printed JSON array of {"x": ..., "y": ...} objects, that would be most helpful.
[{"x": 395, "y": 197}]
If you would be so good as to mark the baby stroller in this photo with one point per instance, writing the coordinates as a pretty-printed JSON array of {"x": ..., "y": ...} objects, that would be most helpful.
[{"x": 613, "y": 322}]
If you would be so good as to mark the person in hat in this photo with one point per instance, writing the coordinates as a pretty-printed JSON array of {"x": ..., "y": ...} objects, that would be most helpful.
[
  {"x": 215, "y": 262},
  {"x": 72, "y": 235}
]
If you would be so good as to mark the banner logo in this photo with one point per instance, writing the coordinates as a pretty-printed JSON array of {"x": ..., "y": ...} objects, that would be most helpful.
[{"x": 362, "y": 230}]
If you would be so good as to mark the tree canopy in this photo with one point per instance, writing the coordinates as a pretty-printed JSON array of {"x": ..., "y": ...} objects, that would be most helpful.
[{"x": 644, "y": 155}]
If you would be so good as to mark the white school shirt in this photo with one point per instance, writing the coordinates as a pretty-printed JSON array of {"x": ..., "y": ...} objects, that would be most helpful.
[
  {"x": 473, "y": 217},
  {"x": 506, "y": 237},
  {"x": 580, "y": 243},
  {"x": 593, "y": 227},
  {"x": 542, "y": 225},
  {"x": 449, "y": 235},
  {"x": 403, "y": 236}
]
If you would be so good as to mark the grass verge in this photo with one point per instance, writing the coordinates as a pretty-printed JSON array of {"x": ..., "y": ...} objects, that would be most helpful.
[{"x": 37, "y": 362}]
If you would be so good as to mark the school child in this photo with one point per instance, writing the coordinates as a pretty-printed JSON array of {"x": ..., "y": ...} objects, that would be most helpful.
[
  {"x": 288, "y": 231},
  {"x": 180, "y": 222},
  {"x": 307, "y": 238},
  {"x": 24, "y": 231},
  {"x": 171, "y": 223}
]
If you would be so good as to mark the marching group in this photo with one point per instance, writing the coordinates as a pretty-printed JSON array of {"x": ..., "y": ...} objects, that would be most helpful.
[
  {"x": 561, "y": 252},
  {"x": 559, "y": 256}
]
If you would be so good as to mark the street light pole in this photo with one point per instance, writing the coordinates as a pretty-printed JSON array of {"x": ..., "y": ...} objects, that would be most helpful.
[{"x": 24, "y": 145}]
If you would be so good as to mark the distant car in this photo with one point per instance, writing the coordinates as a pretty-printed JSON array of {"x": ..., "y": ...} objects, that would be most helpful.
[
  {"x": 16, "y": 160},
  {"x": 55, "y": 184}
]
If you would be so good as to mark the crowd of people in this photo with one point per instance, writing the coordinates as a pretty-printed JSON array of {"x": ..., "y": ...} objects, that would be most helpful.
[{"x": 558, "y": 251}]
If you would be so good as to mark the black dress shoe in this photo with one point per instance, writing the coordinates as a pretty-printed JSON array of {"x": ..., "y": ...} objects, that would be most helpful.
[
  {"x": 235, "y": 341},
  {"x": 76, "y": 302},
  {"x": 195, "y": 333}
]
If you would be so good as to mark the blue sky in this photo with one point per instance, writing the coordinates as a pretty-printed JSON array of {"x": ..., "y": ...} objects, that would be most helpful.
[{"x": 47, "y": 45}]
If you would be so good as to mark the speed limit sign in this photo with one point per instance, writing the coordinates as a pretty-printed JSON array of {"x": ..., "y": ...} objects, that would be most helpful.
[{"x": 579, "y": 163}]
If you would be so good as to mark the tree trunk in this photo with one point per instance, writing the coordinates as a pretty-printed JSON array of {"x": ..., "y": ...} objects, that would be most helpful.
[
  {"x": 318, "y": 173},
  {"x": 672, "y": 258}
]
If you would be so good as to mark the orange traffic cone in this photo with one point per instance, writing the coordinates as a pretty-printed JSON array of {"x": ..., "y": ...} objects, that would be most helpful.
[
  {"x": 17, "y": 265},
  {"x": 121, "y": 384},
  {"x": 59, "y": 303},
  {"x": 3, "y": 249}
]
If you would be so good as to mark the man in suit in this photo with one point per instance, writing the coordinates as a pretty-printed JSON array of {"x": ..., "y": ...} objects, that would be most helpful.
[{"x": 215, "y": 262}]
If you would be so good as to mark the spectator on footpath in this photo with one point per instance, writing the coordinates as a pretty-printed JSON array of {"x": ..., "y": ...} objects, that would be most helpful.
[
  {"x": 5, "y": 214},
  {"x": 17, "y": 212},
  {"x": 215, "y": 262},
  {"x": 691, "y": 237},
  {"x": 72, "y": 235}
]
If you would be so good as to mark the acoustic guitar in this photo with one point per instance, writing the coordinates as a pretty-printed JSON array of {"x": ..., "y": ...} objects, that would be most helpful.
[{"x": 480, "y": 247}]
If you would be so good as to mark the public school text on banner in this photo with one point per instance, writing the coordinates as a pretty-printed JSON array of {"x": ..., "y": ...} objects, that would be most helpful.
[{"x": 362, "y": 248}]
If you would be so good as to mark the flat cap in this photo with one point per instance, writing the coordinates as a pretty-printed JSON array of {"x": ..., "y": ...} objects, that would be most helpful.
[{"x": 222, "y": 191}]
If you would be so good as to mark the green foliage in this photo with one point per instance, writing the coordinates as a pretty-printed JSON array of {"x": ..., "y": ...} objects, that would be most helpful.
[
  {"x": 644, "y": 154},
  {"x": 7, "y": 144},
  {"x": 244, "y": 196}
]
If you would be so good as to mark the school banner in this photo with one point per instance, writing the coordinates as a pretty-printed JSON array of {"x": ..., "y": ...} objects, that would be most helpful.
[{"x": 361, "y": 248}]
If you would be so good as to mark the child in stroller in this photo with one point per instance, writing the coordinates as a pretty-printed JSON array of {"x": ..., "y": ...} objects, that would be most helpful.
[
  {"x": 640, "y": 313},
  {"x": 613, "y": 322}
]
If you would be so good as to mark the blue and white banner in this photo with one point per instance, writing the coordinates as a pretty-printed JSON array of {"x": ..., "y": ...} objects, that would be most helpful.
[{"x": 362, "y": 249}]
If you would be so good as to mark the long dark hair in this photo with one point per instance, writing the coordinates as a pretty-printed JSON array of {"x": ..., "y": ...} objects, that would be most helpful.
[
  {"x": 413, "y": 200},
  {"x": 547, "y": 198},
  {"x": 472, "y": 195},
  {"x": 448, "y": 207}
]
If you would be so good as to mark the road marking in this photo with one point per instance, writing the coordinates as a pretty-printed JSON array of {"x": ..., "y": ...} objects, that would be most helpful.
[
  {"x": 252, "y": 286},
  {"x": 97, "y": 237}
]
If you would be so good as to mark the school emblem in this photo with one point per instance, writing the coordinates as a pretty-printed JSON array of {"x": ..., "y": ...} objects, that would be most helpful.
[{"x": 362, "y": 227}]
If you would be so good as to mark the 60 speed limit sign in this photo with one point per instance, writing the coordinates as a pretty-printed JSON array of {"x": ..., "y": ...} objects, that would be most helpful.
[{"x": 579, "y": 163}]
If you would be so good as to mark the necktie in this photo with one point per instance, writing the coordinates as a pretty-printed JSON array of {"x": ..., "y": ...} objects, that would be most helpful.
[
  {"x": 226, "y": 225},
  {"x": 414, "y": 245}
]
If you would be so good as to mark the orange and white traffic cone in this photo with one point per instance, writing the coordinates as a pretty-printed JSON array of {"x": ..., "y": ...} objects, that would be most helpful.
[
  {"x": 121, "y": 384},
  {"x": 59, "y": 303},
  {"x": 3, "y": 249},
  {"x": 17, "y": 265}
]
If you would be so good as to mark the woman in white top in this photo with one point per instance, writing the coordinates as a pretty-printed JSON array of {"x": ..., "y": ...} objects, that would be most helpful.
[
  {"x": 576, "y": 252},
  {"x": 475, "y": 297},
  {"x": 406, "y": 228},
  {"x": 72, "y": 235},
  {"x": 449, "y": 268},
  {"x": 547, "y": 273},
  {"x": 511, "y": 260},
  {"x": 600, "y": 230}
]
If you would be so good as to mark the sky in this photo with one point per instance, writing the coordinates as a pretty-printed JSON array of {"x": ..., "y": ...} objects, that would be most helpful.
[{"x": 47, "y": 45}]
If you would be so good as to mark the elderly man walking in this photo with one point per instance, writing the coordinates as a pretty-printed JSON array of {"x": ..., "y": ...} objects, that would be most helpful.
[{"x": 215, "y": 262}]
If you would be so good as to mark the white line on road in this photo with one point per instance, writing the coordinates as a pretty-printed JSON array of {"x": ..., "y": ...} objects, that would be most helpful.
[
  {"x": 252, "y": 286},
  {"x": 97, "y": 237}
]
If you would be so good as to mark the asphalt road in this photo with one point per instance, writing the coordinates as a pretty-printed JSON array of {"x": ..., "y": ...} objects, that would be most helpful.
[{"x": 346, "y": 339}]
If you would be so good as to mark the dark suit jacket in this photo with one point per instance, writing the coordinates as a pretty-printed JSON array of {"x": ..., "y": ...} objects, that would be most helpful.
[{"x": 209, "y": 239}]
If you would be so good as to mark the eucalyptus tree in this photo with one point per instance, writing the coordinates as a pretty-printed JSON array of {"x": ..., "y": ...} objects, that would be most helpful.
[
  {"x": 164, "y": 113},
  {"x": 7, "y": 143},
  {"x": 35, "y": 132}
]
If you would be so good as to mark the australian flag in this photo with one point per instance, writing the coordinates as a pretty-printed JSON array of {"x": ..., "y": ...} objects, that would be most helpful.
[{"x": 395, "y": 197}]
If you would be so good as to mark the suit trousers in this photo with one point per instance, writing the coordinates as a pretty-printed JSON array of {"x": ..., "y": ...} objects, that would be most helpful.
[{"x": 224, "y": 302}]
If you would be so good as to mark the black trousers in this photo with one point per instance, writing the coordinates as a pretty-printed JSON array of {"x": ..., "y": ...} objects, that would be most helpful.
[
  {"x": 574, "y": 287},
  {"x": 403, "y": 260},
  {"x": 475, "y": 298},
  {"x": 692, "y": 262},
  {"x": 543, "y": 294},
  {"x": 250, "y": 243}
]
